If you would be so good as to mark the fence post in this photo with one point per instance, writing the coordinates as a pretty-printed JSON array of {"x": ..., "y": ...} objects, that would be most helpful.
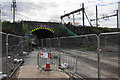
[
  {"x": 42, "y": 42},
  {"x": 21, "y": 38},
  {"x": 76, "y": 66},
  {"x": 98, "y": 38},
  {"x": 59, "y": 50},
  {"x": 7, "y": 44},
  {"x": 50, "y": 43},
  {"x": 45, "y": 42},
  {"x": 27, "y": 46}
]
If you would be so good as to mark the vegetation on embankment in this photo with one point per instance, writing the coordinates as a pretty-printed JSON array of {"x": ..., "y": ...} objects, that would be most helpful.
[
  {"x": 17, "y": 29},
  {"x": 61, "y": 31},
  {"x": 13, "y": 28},
  {"x": 87, "y": 30}
]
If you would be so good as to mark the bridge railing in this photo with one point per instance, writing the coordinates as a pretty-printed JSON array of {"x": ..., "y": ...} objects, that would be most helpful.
[
  {"x": 14, "y": 50},
  {"x": 90, "y": 56}
]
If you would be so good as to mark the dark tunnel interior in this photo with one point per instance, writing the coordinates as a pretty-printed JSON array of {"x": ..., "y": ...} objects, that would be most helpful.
[{"x": 42, "y": 33}]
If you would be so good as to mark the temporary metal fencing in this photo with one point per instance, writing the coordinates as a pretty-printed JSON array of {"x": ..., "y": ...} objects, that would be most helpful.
[
  {"x": 43, "y": 60},
  {"x": 79, "y": 50},
  {"x": 14, "y": 50},
  {"x": 109, "y": 55},
  {"x": 3, "y": 37},
  {"x": 90, "y": 56}
]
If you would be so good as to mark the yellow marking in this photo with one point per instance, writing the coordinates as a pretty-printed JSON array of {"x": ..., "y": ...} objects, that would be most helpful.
[{"x": 41, "y": 28}]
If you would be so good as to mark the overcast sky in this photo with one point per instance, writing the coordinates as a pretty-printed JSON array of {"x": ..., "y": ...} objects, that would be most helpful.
[{"x": 51, "y": 10}]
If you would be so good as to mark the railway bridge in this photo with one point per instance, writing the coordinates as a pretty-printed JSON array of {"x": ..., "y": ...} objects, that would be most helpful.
[{"x": 41, "y": 29}]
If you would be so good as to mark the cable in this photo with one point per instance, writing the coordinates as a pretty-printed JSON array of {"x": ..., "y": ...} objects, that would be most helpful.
[{"x": 105, "y": 17}]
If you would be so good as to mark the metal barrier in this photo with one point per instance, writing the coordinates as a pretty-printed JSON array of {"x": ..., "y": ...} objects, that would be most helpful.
[
  {"x": 3, "y": 37},
  {"x": 47, "y": 60},
  {"x": 79, "y": 50},
  {"x": 109, "y": 54},
  {"x": 90, "y": 56},
  {"x": 14, "y": 50},
  {"x": 0, "y": 52}
]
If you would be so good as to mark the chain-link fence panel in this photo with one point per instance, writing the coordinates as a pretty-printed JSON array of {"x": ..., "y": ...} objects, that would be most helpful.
[
  {"x": 0, "y": 52},
  {"x": 90, "y": 56},
  {"x": 109, "y": 43},
  {"x": 40, "y": 42},
  {"x": 45, "y": 58},
  {"x": 68, "y": 63},
  {"x": 82, "y": 54},
  {"x": 16, "y": 51},
  {"x": 43, "y": 43},
  {"x": 25, "y": 44},
  {"x": 48, "y": 43},
  {"x": 3, "y": 50},
  {"x": 54, "y": 43},
  {"x": 79, "y": 43}
]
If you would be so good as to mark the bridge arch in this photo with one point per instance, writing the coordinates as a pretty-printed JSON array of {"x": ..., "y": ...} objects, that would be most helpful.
[
  {"x": 43, "y": 31},
  {"x": 42, "y": 28}
]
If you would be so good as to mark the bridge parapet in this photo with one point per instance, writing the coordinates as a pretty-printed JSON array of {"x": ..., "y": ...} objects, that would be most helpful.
[{"x": 33, "y": 26}]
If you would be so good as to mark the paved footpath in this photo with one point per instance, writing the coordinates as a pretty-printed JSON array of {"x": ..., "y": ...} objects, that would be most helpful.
[
  {"x": 30, "y": 69},
  {"x": 31, "y": 59}
]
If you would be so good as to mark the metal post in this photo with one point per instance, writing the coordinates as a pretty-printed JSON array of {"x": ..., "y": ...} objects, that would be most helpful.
[
  {"x": 98, "y": 38},
  {"x": 83, "y": 14},
  {"x": 42, "y": 42},
  {"x": 14, "y": 8},
  {"x": 96, "y": 16},
  {"x": 59, "y": 50},
  {"x": 21, "y": 38},
  {"x": 46, "y": 43},
  {"x": 49, "y": 43},
  {"x": 13, "y": 14},
  {"x": 117, "y": 20},
  {"x": 73, "y": 19},
  {"x": 61, "y": 21},
  {"x": 7, "y": 55},
  {"x": 76, "y": 66},
  {"x": 27, "y": 46}
]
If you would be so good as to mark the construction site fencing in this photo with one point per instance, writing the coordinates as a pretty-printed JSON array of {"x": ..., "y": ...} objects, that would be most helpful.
[
  {"x": 72, "y": 50},
  {"x": 3, "y": 51},
  {"x": 89, "y": 56},
  {"x": 43, "y": 60},
  {"x": 14, "y": 50},
  {"x": 79, "y": 50},
  {"x": 109, "y": 55}
]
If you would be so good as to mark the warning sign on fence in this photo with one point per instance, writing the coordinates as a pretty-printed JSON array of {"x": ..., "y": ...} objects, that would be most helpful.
[{"x": 44, "y": 55}]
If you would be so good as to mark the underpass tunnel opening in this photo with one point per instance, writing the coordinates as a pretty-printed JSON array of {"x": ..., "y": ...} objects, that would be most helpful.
[{"x": 42, "y": 34}]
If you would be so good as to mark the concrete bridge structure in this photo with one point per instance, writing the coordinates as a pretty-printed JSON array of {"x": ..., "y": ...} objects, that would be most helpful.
[
  {"x": 41, "y": 29},
  {"x": 49, "y": 29}
]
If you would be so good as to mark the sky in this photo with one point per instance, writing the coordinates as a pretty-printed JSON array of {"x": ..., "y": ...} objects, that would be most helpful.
[{"x": 51, "y": 10}]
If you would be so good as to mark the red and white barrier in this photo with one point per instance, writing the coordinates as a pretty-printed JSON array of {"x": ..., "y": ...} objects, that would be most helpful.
[{"x": 44, "y": 55}]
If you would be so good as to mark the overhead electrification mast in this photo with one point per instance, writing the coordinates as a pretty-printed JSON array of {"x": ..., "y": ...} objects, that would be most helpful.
[{"x": 14, "y": 8}]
